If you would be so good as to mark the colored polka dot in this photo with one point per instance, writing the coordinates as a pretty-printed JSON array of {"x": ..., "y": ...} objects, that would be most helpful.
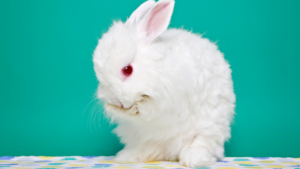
[
  {"x": 244, "y": 162},
  {"x": 153, "y": 162},
  {"x": 56, "y": 163},
  {"x": 77, "y": 165},
  {"x": 6, "y": 157},
  {"x": 103, "y": 165},
  {"x": 261, "y": 158},
  {"x": 46, "y": 158},
  {"x": 241, "y": 159},
  {"x": 180, "y": 166},
  {"x": 227, "y": 168},
  {"x": 248, "y": 165},
  {"x": 89, "y": 157},
  {"x": 52, "y": 166},
  {"x": 276, "y": 166},
  {"x": 153, "y": 167},
  {"x": 69, "y": 159},
  {"x": 266, "y": 161}
]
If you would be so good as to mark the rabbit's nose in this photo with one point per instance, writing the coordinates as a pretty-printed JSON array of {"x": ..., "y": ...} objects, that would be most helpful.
[
  {"x": 126, "y": 104},
  {"x": 118, "y": 103}
]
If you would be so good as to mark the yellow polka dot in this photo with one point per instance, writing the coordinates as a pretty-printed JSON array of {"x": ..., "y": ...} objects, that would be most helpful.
[
  {"x": 276, "y": 166},
  {"x": 156, "y": 167},
  {"x": 175, "y": 166},
  {"x": 244, "y": 162},
  {"x": 267, "y": 161},
  {"x": 293, "y": 163},
  {"x": 227, "y": 168},
  {"x": 153, "y": 162},
  {"x": 298, "y": 158},
  {"x": 106, "y": 162},
  {"x": 77, "y": 165},
  {"x": 45, "y": 158}
]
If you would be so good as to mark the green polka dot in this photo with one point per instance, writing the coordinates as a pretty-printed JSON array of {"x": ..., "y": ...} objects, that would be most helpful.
[
  {"x": 69, "y": 159},
  {"x": 248, "y": 165},
  {"x": 241, "y": 159},
  {"x": 56, "y": 163}
]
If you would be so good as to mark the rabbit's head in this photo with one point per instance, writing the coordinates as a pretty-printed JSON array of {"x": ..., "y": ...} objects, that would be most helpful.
[{"x": 125, "y": 62}]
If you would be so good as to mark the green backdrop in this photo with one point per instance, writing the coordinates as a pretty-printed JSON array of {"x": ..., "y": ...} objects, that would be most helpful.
[{"x": 47, "y": 87}]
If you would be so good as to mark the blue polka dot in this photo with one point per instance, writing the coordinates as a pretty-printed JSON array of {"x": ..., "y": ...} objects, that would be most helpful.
[
  {"x": 89, "y": 157},
  {"x": 223, "y": 161},
  {"x": 6, "y": 157},
  {"x": 103, "y": 165},
  {"x": 261, "y": 158},
  {"x": 248, "y": 165}
]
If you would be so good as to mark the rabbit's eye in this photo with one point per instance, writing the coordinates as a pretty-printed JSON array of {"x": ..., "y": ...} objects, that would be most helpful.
[{"x": 127, "y": 70}]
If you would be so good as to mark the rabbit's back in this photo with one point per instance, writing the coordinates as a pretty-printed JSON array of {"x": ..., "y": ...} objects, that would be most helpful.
[{"x": 196, "y": 66}]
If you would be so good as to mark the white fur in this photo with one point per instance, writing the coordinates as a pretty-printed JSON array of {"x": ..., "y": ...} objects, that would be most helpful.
[{"x": 179, "y": 101}]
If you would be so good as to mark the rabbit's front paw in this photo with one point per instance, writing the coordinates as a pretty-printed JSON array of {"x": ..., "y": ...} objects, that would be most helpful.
[
  {"x": 121, "y": 110},
  {"x": 197, "y": 157},
  {"x": 127, "y": 156}
]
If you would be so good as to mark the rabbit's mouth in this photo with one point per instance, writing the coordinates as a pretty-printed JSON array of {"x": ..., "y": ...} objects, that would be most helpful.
[{"x": 133, "y": 110}]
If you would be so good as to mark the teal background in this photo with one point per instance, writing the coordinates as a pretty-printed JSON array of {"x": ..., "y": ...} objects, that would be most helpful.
[{"x": 47, "y": 87}]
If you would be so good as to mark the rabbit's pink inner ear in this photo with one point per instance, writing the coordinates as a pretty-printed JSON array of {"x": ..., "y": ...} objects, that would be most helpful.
[{"x": 159, "y": 20}]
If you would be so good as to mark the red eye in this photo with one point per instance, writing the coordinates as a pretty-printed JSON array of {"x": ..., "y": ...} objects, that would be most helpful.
[{"x": 127, "y": 70}]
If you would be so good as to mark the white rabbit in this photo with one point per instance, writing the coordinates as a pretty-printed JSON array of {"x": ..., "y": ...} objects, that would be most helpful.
[{"x": 170, "y": 91}]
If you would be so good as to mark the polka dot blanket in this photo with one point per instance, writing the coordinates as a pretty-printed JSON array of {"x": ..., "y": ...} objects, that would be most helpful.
[{"x": 74, "y": 162}]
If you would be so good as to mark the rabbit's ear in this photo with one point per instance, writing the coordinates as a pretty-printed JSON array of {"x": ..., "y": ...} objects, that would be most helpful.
[
  {"x": 140, "y": 12},
  {"x": 157, "y": 19}
]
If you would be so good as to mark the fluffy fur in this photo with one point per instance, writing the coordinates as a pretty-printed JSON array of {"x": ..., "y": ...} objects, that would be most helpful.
[{"x": 179, "y": 101}]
